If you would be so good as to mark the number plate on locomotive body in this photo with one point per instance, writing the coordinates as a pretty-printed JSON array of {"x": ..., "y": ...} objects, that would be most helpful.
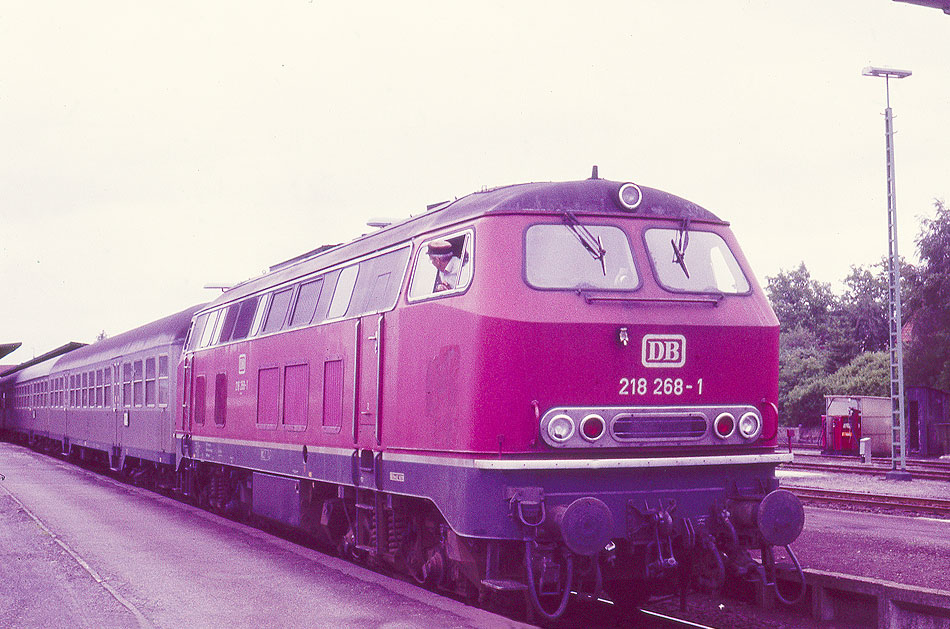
[{"x": 662, "y": 387}]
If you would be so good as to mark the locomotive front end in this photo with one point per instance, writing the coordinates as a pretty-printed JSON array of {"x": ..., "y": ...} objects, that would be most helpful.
[{"x": 651, "y": 379}]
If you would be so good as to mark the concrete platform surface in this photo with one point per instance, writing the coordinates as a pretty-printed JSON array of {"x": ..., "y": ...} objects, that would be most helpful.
[{"x": 82, "y": 550}]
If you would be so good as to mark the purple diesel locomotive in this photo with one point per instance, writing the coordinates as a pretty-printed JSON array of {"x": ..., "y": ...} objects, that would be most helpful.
[{"x": 535, "y": 389}]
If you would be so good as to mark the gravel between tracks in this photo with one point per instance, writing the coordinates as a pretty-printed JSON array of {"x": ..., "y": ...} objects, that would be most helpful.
[{"x": 872, "y": 484}]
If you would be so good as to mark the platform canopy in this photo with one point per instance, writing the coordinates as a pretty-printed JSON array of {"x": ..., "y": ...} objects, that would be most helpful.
[
  {"x": 7, "y": 348},
  {"x": 943, "y": 5},
  {"x": 59, "y": 351}
]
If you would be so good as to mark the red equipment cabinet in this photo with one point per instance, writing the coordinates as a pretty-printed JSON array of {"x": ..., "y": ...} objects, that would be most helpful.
[{"x": 845, "y": 432}]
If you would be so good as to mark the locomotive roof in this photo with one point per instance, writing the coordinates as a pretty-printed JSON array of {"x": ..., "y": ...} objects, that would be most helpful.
[
  {"x": 172, "y": 329},
  {"x": 584, "y": 197},
  {"x": 588, "y": 196}
]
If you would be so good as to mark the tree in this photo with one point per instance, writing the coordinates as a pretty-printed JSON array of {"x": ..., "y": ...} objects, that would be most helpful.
[
  {"x": 864, "y": 304},
  {"x": 867, "y": 374},
  {"x": 828, "y": 342},
  {"x": 801, "y": 302},
  {"x": 927, "y": 361}
]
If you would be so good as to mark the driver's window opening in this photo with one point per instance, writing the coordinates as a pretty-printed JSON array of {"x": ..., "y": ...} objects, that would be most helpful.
[{"x": 444, "y": 265}]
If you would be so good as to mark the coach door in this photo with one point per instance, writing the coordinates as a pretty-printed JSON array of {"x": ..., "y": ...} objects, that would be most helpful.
[{"x": 366, "y": 425}]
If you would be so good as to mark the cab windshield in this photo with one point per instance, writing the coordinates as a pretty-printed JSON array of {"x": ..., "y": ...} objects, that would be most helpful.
[
  {"x": 694, "y": 261},
  {"x": 586, "y": 257}
]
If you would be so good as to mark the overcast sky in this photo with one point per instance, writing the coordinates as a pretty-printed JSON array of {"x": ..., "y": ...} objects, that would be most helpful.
[{"x": 151, "y": 148}]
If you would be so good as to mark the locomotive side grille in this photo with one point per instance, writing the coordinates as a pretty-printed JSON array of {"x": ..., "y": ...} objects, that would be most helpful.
[{"x": 629, "y": 427}]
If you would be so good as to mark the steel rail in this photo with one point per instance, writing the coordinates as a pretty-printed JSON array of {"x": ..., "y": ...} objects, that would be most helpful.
[
  {"x": 828, "y": 497},
  {"x": 920, "y": 470}
]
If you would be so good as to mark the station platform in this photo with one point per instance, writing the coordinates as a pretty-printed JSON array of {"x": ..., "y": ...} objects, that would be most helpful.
[{"x": 82, "y": 550}]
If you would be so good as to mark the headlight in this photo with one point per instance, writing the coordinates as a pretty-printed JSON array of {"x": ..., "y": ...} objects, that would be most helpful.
[
  {"x": 749, "y": 425},
  {"x": 561, "y": 428},
  {"x": 629, "y": 196}
]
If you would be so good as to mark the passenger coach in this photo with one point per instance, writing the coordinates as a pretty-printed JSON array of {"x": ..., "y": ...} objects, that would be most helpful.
[{"x": 112, "y": 401}]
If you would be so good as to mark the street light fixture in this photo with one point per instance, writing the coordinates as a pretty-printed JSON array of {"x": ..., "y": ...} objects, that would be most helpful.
[
  {"x": 886, "y": 72},
  {"x": 898, "y": 437}
]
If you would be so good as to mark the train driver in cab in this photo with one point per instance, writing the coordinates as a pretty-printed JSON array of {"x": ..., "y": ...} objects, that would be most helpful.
[{"x": 448, "y": 265}]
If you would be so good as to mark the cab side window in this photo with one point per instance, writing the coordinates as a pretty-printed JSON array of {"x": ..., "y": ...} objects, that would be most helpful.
[{"x": 443, "y": 267}]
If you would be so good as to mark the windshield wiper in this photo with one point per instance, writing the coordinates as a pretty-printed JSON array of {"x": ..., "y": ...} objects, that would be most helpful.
[
  {"x": 590, "y": 242},
  {"x": 679, "y": 246}
]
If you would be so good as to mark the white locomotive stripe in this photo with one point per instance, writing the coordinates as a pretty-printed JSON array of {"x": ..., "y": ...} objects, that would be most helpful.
[
  {"x": 524, "y": 464},
  {"x": 597, "y": 464}
]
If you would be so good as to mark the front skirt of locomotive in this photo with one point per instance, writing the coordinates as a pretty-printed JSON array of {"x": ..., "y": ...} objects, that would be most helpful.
[
  {"x": 656, "y": 522},
  {"x": 598, "y": 499}
]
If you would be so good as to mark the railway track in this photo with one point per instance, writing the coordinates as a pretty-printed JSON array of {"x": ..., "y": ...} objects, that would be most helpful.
[
  {"x": 924, "y": 470},
  {"x": 874, "y": 502}
]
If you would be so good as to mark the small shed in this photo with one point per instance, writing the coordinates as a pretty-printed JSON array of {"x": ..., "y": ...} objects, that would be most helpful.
[
  {"x": 928, "y": 421},
  {"x": 875, "y": 419}
]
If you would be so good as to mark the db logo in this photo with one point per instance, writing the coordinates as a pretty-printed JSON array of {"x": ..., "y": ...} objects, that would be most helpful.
[{"x": 664, "y": 350}]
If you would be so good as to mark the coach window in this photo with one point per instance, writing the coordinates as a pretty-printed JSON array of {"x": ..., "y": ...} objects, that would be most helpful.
[
  {"x": 343, "y": 292},
  {"x": 278, "y": 311},
  {"x": 85, "y": 389},
  {"x": 150, "y": 381},
  {"x": 443, "y": 267},
  {"x": 694, "y": 261},
  {"x": 306, "y": 305},
  {"x": 163, "y": 380},
  {"x": 138, "y": 380},
  {"x": 126, "y": 384},
  {"x": 107, "y": 390},
  {"x": 100, "y": 388}
]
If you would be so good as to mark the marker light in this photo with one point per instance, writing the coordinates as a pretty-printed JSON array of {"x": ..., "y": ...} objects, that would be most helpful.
[
  {"x": 593, "y": 427},
  {"x": 749, "y": 425},
  {"x": 629, "y": 196},
  {"x": 561, "y": 428},
  {"x": 725, "y": 425}
]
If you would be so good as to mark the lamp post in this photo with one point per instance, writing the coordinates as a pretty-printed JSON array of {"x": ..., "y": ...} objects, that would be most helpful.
[{"x": 898, "y": 436}]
